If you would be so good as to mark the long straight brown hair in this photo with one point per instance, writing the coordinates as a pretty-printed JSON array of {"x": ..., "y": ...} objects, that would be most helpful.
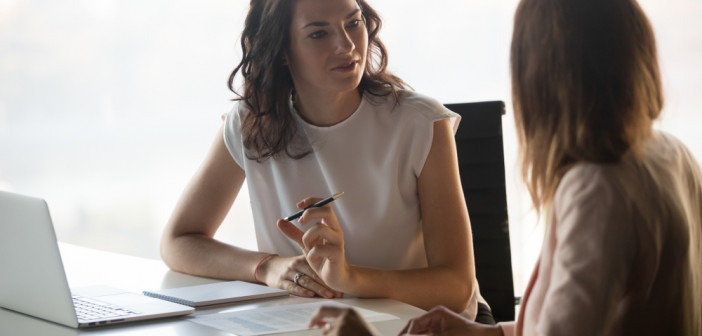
[
  {"x": 268, "y": 128},
  {"x": 585, "y": 86}
]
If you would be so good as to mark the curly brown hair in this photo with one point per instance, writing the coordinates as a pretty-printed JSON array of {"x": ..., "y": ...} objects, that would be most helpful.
[{"x": 269, "y": 128}]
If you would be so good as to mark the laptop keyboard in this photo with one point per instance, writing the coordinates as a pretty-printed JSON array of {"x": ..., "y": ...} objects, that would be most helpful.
[{"x": 90, "y": 310}]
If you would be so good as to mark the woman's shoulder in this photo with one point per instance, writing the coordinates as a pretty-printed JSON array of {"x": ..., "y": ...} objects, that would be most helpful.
[
  {"x": 417, "y": 99},
  {"x": 598, "y": 188},
  {"x": 662, "y": 161},
  {"x": 663, "y": 144},
  {"x": 420, "y": 102},
  {"x": 626, "y": 170},
  {"x": 593, "y": 178},
  {"x": 590, "y": 193},
  {"x": 234, "y": 116},
  {"x": 418, "y": 105}
]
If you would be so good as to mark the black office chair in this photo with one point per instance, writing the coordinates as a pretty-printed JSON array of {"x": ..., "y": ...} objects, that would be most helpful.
[{"x": 482, "y": 167}]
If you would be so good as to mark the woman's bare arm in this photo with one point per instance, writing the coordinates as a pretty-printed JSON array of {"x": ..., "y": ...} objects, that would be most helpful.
[{"x": 188, "y": 243}]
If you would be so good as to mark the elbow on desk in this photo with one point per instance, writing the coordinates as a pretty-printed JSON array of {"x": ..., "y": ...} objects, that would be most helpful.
[
  {"x": 456, "y": 303},
  {"x": 167, "y": 251},
  {"x": 460, "y": 305},
  {"x": 454, "y": 295},
  {"x": 453, "y": 290},
  {"x": 461, "y": 296}
]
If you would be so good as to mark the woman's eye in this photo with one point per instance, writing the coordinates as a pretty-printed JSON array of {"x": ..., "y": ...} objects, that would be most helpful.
[
  {"x": 354, "y": 23},
  {"x": 317, "y": 34}
]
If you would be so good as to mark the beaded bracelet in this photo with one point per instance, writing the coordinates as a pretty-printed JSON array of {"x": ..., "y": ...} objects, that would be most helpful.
[{"x": 260, "y": 263}]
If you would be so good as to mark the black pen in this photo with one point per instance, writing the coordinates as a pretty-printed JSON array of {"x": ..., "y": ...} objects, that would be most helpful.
[{"x": 316, "y": 205}]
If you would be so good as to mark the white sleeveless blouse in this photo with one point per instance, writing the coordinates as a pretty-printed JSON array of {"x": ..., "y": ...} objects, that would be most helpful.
[{"x": 375, "y": 157}]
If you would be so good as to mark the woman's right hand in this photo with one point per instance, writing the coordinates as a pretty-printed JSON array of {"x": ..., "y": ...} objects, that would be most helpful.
[{"x": 280, "y": 272}]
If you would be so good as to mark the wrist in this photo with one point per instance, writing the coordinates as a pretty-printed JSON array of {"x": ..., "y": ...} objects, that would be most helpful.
[
  {"x": 361, "y": 282},
  {"x": 261, "y": 268},
  {"x": 348, "y": 282}
]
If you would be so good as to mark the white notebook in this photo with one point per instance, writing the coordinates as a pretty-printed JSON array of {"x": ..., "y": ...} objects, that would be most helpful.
[{"x": 216, "y": 293}]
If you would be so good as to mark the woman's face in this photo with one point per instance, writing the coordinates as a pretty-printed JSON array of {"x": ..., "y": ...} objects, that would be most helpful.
[{"x": 328, "y": 45}]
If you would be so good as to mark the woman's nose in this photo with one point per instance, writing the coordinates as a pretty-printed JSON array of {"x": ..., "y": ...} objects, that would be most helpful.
[{"x": 344, "y": 44}]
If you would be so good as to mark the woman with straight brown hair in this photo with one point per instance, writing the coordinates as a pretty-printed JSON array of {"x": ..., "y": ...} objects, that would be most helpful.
[{"x": 622, "y": 201}]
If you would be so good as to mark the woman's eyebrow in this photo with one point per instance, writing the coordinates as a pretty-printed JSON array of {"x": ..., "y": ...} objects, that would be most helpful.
[
  {"x": 323, "y": 23},
  {"x": 352, "y": 13}
]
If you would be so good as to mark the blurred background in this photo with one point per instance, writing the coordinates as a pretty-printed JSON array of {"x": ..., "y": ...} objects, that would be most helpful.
[{"x": 107, "y": 107}]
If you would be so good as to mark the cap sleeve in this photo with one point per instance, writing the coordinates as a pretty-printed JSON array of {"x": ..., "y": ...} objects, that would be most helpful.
[
  {"x": 232, "y": 134},
  {"x": 428, "y": 111}
]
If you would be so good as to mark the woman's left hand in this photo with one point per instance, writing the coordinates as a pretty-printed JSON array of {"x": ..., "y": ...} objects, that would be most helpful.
[
  {"x": 341, "y": 321},
  {"x": 443, "y": 321},
  {"x": 322, "y": 244}
]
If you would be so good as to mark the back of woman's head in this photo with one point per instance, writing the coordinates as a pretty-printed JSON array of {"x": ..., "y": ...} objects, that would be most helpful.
[{"x": 585, "y": 85}]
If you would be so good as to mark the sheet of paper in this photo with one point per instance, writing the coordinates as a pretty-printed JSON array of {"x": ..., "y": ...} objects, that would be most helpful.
[{"x": 276, "y": 319}]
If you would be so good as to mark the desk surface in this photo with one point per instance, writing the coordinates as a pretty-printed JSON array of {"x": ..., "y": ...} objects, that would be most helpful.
[{"x": 87, "y": 267}]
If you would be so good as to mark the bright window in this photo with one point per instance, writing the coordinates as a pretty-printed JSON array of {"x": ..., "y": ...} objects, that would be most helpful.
[{"x": 107, "y": 107}]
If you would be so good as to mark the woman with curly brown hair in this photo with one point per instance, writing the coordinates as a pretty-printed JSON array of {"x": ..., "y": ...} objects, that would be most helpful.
[{"x": 317, "y": 114}]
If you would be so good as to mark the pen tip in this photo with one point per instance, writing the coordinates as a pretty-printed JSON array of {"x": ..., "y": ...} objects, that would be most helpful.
[{"x": 338, "y": 195}]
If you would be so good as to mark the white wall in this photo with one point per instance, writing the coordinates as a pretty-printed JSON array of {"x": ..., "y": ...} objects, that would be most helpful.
[{"x": 107, "y": 107}]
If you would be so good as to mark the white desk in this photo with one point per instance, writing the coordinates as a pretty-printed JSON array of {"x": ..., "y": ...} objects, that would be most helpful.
[{"x": 86, "y": 267}]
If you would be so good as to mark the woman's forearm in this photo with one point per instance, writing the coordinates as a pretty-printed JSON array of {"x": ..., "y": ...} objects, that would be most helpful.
[
  {"x": 204, "y": 256},
  {"x": 423, "y": 288}
]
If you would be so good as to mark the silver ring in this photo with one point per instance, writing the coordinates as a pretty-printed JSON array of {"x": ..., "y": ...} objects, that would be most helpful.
[{"x": 297, "y": 277}]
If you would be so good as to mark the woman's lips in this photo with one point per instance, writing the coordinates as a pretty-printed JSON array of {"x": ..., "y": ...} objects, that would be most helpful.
[{"x": 345, "y": 67}]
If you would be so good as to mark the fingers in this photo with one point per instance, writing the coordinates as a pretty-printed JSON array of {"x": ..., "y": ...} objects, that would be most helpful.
[
  {"x": 307, "y": 202},
  {"x": 420, "y": 325},
  {"x": 326, "y": 231},
  {"x": 341, "y": 321},
  {"x": 280, "y": 272},
  {"x": 438, "y": 320},
  {"x": 324, "y": 214},
  {"x": 320, "y": 234},
  {"x": 291, "y": 231},
  {"x": 308, "y": 282},
  {"x": 324, "y": 315},
  {"x": 408, "y": 328},
  {"x": 321, "y": 253},
  {"x": 326, "y": 238},
  {"x": 315, "y": 283}
]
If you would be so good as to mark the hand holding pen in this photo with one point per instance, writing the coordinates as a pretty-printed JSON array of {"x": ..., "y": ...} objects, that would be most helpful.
[
  {"x": 315, "y": 205},
  {"x": 295, "y": 274},
  {"x": 322, "y": 243}
]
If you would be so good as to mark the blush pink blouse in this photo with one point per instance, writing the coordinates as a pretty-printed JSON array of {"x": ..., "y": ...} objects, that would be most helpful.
[{"x": 622, "y": 252}]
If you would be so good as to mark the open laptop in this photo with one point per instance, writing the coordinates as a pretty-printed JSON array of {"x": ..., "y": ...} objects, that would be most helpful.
[{"x": 33, "y": 279}]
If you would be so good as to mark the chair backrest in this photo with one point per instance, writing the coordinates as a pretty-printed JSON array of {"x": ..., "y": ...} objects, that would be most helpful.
[{"x": 482, "y": 167}]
